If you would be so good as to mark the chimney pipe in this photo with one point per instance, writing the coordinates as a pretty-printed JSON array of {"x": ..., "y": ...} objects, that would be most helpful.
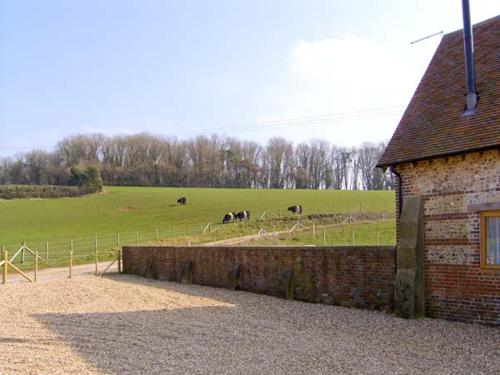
[{"x": 471, "y": 98}]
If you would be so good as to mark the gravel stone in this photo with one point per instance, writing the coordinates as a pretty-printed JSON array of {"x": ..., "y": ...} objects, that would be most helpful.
[{"x": 122, "y": 324}]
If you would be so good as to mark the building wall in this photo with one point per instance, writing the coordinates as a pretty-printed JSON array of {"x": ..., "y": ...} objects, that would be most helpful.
[
  {"x": 457, "y": 288},
  {"x": 360, "y": 277}
]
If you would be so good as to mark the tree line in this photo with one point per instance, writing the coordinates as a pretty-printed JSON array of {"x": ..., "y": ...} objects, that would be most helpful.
[{"x": 202, "y": 161}]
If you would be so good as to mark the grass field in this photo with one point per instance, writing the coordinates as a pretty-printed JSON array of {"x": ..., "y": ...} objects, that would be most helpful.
[{"x": 139, "y": 211}]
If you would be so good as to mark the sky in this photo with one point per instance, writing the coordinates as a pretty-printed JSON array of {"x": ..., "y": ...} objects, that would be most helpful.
[{"x": 342, "y": 71}]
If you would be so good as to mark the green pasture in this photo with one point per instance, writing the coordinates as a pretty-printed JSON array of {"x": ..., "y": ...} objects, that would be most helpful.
[{"x": 127, "y": 215}]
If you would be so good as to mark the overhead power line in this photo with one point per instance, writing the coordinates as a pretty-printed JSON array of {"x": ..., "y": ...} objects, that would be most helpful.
[
  {"x": 324, "y": 119},
  {"x": 314, "y": 120}
]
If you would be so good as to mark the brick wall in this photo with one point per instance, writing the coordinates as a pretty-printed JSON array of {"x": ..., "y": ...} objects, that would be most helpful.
[
  {"x": 457, "y": 288},
  {"x": 349, "y": 276}
]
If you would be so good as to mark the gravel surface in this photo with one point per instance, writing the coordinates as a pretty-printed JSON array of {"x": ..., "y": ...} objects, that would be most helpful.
[{"x": 129, "y": 325}]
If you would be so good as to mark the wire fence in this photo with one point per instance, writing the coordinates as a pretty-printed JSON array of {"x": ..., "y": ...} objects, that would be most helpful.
[{"x": 354, "y": 227}]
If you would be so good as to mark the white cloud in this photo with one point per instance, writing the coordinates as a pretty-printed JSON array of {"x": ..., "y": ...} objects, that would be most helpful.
[{"x": 344, "y": 74}]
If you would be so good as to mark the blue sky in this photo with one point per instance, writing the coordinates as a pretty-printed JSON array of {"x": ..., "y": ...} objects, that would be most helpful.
[{"x": 186, "y": 67}]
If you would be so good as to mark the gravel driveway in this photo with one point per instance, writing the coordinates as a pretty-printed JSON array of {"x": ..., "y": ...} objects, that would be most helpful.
[{"x": 129, "y": 325}]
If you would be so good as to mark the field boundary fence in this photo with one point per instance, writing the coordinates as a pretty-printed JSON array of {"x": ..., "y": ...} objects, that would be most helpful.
[{"x": 99, "y": 248}]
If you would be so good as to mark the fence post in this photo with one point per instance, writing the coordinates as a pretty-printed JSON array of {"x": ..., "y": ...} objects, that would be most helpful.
[
  {"x": 22, "y": 252},
  {"x": 96, "y": 258},
  {"x": 118, "y": 239},
  {"x": 378, "y": 238},
  {"x": 324, "y": 236},
  {"x": 156, "y": 234},
  {"x": 71, "y": 261},
  {"x": 5, "y": 265},
  {"x": 352, "y": 234},
  {"x": 136, "y": 238},
  {"x": 36, "y": 265},
  {"x": 47, "y": 251},
  {"x": 172, "y": 230},
  {"x": 120, "y": 260}
]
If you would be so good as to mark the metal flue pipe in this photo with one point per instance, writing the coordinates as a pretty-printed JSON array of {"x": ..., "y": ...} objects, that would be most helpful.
[{"x": 471, "y": 98}]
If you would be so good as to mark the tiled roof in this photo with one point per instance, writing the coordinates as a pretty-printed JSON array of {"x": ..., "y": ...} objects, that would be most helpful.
[{"x": 433, "y": 124}]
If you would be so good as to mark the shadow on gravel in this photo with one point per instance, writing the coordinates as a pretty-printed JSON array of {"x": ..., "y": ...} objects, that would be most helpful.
[{"x": 248, "y": 333}]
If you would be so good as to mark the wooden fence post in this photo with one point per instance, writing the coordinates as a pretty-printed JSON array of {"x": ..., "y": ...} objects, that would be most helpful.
[
  {"x": 71, "y": 261},
  {"x": 22, "y": 252},
  {"x": 5, "y": 265},
  {"x": 324, "y": 236},
  {"x": 96, "y": 258},
  {"x": 36, "y": 265},
  {"x": 120, "y": 260}
]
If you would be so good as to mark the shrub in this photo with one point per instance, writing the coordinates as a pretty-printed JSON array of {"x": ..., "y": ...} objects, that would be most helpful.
[{"x": 39, "y": 191}]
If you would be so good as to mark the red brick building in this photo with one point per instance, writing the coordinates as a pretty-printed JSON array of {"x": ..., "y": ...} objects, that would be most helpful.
[{"x": 447, "y": 152}]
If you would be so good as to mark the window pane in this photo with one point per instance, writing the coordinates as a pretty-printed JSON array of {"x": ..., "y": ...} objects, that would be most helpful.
[{"x": 493, "y": 240}]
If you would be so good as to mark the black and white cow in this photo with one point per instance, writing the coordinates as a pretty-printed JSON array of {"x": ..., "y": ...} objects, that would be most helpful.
[
  {"x": 182, "y": 201},
  {"x": 243, "y": 215},
  {"x": 295, "y": 209},
  {"x": 228, "y": 217}
]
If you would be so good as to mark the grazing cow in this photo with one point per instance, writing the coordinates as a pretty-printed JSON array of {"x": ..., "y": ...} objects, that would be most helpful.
[
  {"x": 295, "y": 209},
  {"x": 228, "y": 217},
  {"x": 182, "y": 201},
  {"x": 243, "y": 215}
]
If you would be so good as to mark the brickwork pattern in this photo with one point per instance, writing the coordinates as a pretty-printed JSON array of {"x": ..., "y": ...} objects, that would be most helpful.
[
  {"x": 361, "y": 277},
  {"x": 457, "y": 288}
]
